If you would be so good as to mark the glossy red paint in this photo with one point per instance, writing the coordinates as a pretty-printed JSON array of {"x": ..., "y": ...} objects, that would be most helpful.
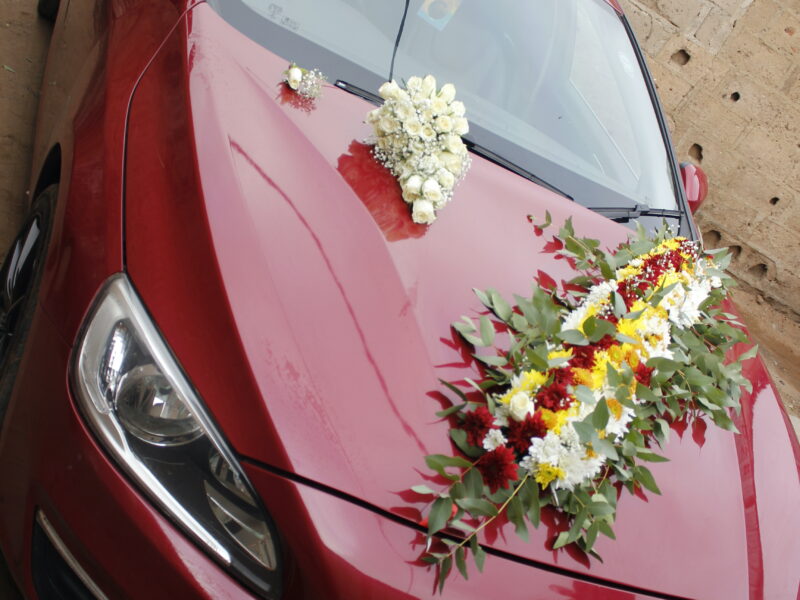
[
  {"x": 313, "y": 318},
  {"x": 695, "y": 183}
]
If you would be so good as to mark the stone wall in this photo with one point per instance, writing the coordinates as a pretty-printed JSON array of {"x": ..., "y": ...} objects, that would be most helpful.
[{"x": 728, "y": 74}]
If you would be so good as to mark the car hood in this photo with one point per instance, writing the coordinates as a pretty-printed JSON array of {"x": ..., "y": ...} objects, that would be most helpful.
[{"x": 314, "y": 317}]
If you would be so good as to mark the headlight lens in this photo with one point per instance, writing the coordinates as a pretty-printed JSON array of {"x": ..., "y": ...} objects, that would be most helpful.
[{"x": 146, "y": 414}]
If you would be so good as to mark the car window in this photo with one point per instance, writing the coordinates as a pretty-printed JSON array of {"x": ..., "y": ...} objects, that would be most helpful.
[{"x": 551, "y": 85}]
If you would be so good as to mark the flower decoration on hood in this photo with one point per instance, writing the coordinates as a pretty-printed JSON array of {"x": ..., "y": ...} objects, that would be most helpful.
[
  {"x": 307, "y": 83},
  {"x": 584, "y": 391},
  {"x": 418, "y": 138}
]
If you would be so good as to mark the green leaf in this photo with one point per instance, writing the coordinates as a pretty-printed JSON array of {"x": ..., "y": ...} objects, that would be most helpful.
[
  {"x": 586, "y": 431},
  {"x": 577, "y": 525},
  {"x": 529, "y": 495},
  {"x": 606, "y": 448},
  {"x": 461, "y": 564},
  {"x": 477, "y": 507},
  {"x": 651, "y": 456},
  {"x": 751, "y": 353},
  {"x": 480, "y": 556},
  {"x": 619, "y": 305},
  {"x": 600, "y": 415},
  {"x": 492, "y": 361},
  {"x": 601, "y": 509},
  {"x": 561, "y": 540},
  {"x": 455, "y": 390},
  {"x": 605, "y": 529},
  {"x": 516, "y": 515},
  {"x": 473, "y": 483},
  {"x": 440, "y": 513},
  {"x": 459, "y": 437},
  {"x": 438, "y": 462},
  {"x": 423, "y": 489},
  {"x": 501, "y": 308},
  {"x": 487, "y": 331},
  {"x": 591, "y": 535},
  {"x": 442, "y": 414},
  {"x": 444, "y": 571},
  {"x": 574, "y": 337},
  {"x": 645, "y": 477}
]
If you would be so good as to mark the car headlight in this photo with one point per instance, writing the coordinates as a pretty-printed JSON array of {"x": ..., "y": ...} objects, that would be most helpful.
[{"x": 150, "y": 420}]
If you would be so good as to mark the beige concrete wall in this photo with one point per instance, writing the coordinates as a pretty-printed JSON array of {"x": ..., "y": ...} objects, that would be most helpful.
[{"x": 728, "y": 73}]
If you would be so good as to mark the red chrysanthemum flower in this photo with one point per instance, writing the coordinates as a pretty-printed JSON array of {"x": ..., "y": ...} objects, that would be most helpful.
[
  {"x": 563, "y": 376},
  {"x": 643, "y": 373},
  {"x": 498, "y": 468},
  {"x": 582, "y": 356},
  {"x": 554, "y": 396},
  {"x": 520, "y": 432},
  {"x": 477, "y": 423}
]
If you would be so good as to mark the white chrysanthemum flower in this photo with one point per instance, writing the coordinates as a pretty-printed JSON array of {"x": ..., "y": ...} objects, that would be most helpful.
[
  {"x": 493, "y": 439},
  {"x": 619, "y": 427},
  {"x": 563, "y": 451}
]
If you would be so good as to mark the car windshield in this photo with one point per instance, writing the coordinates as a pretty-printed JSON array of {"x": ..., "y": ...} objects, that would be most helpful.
[{"x": 553, "y": 86}]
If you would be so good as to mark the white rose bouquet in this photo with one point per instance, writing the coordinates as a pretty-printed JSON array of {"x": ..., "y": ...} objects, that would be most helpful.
[{"x": 418, "y": 138}]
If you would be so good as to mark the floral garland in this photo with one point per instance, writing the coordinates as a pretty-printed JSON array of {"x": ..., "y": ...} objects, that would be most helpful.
[
  {"x": 307, "y": 83},
  {"x": 418, "y": 138},
  {"x": 594, "y": 375}
]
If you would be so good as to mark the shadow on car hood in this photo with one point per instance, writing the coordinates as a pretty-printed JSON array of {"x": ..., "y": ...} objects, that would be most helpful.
[{"x": 313, "y": 316}]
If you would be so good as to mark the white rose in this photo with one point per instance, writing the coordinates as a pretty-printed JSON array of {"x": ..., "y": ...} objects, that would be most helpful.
[
  {"x": 427, "y": 133},
  {"x": 448, "y": 92},
  {"x": 412, "y": 127},
  {"x": 389, "y": 90},
  {"x": 410, "y": 197},
  {"x": 454, "y": 144},
  {"x": 431, "y": 190},
  {"x": 458, "y": 109},
  {"x": 293, "y": 77},
  {"x": 413, "y": 184},
  {"x": 446, "y": 179},
  {"x": 426, "y": 114},
  {"x": 520, "y": 406},
  {"x": 374, "y": 115},
  {"x": 404, "y": 111},
  {"x": 438, "y": 106},
  {"x": 416, "y": 146},
  {"x": 388, "y": 124},
  {"x": 428, "y": 86},
  {"x": 423, "y": 212},
  {"x": 443, "y": 124},
  {"x": 451, "y": 162},
  {"x": 461, "y": 126},
  {"x": 403, "y": 96},
  {"x": 414, "y": 84}
]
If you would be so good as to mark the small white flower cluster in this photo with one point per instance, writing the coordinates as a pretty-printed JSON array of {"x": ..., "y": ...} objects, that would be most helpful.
[
  {"x": 306, "y": 83},
  {"x": 418, "y": 138}
]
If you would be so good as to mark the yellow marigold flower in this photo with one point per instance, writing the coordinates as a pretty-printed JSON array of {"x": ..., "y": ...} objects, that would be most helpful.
[
  {"x": 615, "y": 407},
  {"x": 546, "y": 473}
]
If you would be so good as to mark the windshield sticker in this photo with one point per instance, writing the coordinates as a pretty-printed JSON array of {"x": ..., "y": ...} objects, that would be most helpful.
[{"x": 438, "y": 12}]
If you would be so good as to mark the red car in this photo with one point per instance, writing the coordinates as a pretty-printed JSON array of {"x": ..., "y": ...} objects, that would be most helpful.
[{"x": 223, "y": 335}]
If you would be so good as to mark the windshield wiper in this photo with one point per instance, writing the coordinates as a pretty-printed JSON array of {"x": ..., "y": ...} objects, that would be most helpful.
[
  {"x": 471, "y": 145},
  {"x": 507, "y": 164},
  {"x": 626, "y": 213}
]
